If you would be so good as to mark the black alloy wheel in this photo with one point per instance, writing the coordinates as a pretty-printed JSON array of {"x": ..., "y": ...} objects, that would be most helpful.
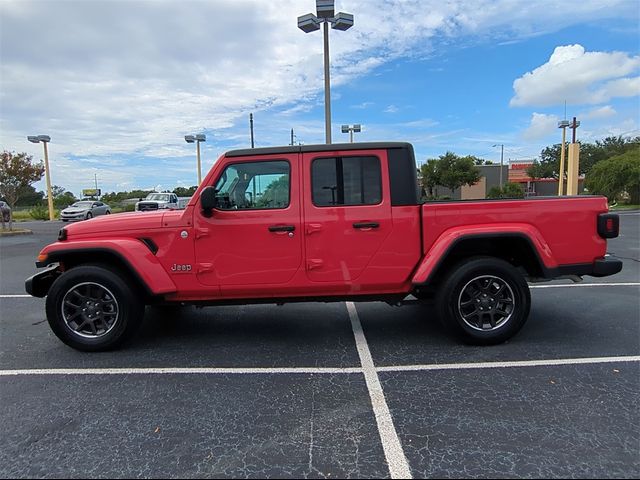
[
  {"x": 93, "y": 308},
  {"x": 484, "y": 300}
]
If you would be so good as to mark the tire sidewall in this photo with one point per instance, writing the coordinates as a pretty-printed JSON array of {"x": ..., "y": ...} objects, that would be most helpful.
[
  {"x": 463, "y": 273},
  {"x": 130, "y": 308}
]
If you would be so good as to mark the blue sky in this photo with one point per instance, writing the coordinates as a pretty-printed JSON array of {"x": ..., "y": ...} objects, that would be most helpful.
[{"x": 117, "y": 84}]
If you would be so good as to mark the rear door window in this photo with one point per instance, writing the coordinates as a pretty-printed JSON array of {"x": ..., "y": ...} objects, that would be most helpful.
[{"x": 346, "y": 181}]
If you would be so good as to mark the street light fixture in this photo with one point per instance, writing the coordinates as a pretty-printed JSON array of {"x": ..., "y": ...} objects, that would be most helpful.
[
  {"x": 308, "y": 23},
  {"x": 201, "y": 137},
  {"x": 501, "y": 159},
  {"x": 350, "y": 129},
  {"x": 45, "y": 139}
]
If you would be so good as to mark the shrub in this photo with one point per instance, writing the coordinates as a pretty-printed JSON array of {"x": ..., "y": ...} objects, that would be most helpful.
[
  {"x": 509, "y": 190},
  {"x": 40, "y": 212}
]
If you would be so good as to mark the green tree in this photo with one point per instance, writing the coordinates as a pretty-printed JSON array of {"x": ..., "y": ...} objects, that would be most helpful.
[
  {"x": 275, "y": 193},
  {"x": 62, "y": 198},
  {"x": 430, "y": 176},
  {"x": 617, "y": 175},
  {"x": 455, "y": 171},
  {"x": 17, "y": 172},
  {"x": 509, "y": 190},
  {"x": 185, "y": 192},
  {"x": 30, "y": 197},
  {"x": 590, "y": 155}
]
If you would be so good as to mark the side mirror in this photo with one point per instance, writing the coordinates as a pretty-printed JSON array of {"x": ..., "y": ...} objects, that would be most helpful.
[{"x": 208, "y": 200}]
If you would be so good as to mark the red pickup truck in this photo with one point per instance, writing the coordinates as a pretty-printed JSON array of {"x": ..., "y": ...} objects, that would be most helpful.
[{"x": 320, "y": 223}]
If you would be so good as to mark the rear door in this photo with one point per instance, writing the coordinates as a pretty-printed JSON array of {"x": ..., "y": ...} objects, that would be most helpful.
[{"x": 347, "y": 212}]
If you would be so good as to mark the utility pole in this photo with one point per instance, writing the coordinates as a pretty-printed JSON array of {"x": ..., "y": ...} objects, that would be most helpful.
[
  {"x": 251, "y": 127},
  {"x": 292, "y": 137},
  {"x": 501, "y": 160}
]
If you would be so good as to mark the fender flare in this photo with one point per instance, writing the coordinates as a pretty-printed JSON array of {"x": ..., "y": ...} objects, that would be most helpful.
[
  {"x": 448, "y": 240},
  {"x": 132, "y": 253}
]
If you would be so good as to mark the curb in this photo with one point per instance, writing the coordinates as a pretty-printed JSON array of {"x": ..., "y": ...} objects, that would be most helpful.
[{"x": 11, "y": 233}]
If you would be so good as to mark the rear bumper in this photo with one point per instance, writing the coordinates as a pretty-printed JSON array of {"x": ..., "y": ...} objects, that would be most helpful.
[{"x": 602, "y": 267}]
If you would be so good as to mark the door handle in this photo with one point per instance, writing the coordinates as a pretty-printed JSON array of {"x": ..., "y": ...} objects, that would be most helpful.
[
  {"x": 282, "y": 228},
  {"x": 366, "y": 225}
]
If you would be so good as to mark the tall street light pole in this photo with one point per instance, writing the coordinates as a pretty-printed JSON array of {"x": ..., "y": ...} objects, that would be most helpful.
[
  {"x": 197, "y": 139},
  {"x": 45, "y": 139},
  {"x": 308, "y": 23},
  {"x": 501, "y": 159}
]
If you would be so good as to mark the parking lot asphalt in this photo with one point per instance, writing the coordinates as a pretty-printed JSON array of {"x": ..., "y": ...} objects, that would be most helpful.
[{"x": 299, "y": 391}]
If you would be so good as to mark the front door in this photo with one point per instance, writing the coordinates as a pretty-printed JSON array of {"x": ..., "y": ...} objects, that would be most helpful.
[
  {"x": 347, "y": 213},
  {"x": 252, "y": 239}
]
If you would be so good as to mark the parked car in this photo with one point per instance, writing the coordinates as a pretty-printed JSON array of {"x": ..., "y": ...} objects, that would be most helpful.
[
  {"x": 84, "y": 210},
  {"x": 158, "y": 201},
  {"x": 6, "y": 211}
]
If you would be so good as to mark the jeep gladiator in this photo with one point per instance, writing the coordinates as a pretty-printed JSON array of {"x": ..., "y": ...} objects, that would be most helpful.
[{"x": 320, "y": 223}]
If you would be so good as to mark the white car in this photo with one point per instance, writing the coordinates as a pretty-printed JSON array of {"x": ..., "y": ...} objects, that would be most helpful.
[
  {"x": 157, "y": 201},
  {"x": 84, "y": 210}
]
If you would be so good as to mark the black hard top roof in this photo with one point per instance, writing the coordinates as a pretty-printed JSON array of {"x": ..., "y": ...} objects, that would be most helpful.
[{"x": 317, "y": 148}]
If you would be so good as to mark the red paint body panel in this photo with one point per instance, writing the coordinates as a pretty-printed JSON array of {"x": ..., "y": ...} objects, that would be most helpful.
[
  {"x": 563, "y": 230},
  {"x": 134, "y": 252},
  {"x": 233, "y": 255}
]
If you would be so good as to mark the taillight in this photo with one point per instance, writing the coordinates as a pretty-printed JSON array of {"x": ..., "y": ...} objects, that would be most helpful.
[{"x": 608, "y": 225}]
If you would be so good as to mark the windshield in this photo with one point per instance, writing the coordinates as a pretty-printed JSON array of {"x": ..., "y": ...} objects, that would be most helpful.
[
  {"x": 160, "y": 197},
  {"x": 82, "y": 204}
]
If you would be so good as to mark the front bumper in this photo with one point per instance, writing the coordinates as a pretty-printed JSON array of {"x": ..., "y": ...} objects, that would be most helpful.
[{"x": 38, "y": 285}]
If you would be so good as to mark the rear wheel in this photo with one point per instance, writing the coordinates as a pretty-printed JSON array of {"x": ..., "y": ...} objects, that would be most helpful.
[
  {"x": 91, "y": 308},
  {"x": 484, "y": 300}
]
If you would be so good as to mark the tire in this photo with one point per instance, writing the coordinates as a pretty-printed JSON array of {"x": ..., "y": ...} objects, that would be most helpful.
[
  {"x": 484, "y": 301},
  {"x": 92, "y": 308},
  {"x": 89, "y": 216},
  {"x": 108, "y": 212}
]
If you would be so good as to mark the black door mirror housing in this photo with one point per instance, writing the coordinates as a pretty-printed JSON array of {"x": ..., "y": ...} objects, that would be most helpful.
[{"x": 208, "y": 200}]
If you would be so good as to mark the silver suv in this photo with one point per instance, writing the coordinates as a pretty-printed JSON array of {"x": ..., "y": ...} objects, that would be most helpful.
[{"x": 156, "y": 201}]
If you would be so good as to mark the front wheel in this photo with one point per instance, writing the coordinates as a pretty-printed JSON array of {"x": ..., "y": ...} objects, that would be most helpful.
[
  {"x": 484, "y": 300},
  {"x": 89, "y": 216},
  {"x": 91, "y": 308}
]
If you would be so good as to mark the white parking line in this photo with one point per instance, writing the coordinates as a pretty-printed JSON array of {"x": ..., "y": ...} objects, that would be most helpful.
[
  {"x": 16, "y": 296},
  {"x": 396, "y": 459},
  {"x": 315, "y": 370},
  {"x": 621, "y": 284},
  {"x": 181, "y": 370},
  {"x": 517, "y": 363}
]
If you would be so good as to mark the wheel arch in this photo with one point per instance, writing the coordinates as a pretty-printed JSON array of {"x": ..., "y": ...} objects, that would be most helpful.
[
  {"x": 143, "y": 271},
  {"x": 515, "y": 248}
]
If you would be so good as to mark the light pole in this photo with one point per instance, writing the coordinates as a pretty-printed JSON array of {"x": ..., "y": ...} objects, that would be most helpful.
[
  {"x": 350, "y": 129},
  {"x": 501, "y": 159},
  {"x": 197, "y": 139},
  {"x": 563, "y": 125},
  {"x": 325, "y": 10},
  {"x": 45, "y": 139}
]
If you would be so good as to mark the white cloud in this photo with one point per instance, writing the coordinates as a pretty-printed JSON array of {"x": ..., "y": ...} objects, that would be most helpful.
[
  {"x": 597, "y": 113},
  {"x": 391, "y": 109},
  {"x": 116, "y": 81},
  {"x": 578, "y": 77},
  {"x": 541, "y": 126}
]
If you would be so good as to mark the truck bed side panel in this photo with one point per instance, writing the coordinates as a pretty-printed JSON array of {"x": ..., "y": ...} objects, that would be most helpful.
[{"x": 568, "y": 226}]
